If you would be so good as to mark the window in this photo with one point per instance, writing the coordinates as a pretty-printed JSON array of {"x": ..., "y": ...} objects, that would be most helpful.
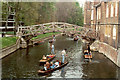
[
  {"x": 98, "y": 13},
  {"x": 114, "y": 32},
  {"x": 92, "y": 14},
  {"x": 112, "y": 10},
  {"x": 116, "y": 9},
  {"x": 107, "y": 11},
  {"x": 92, "y": 7}
]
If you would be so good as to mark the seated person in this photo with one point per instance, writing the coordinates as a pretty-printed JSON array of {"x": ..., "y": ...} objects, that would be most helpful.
[
  {"x": 45, "y": 67},
  {"x": 57, "y": 63},
  {"x": 48, "y": 65},
  {"x": 44, "y": 57},
  {"x": 50, "y": 56},
  {"x": 52, "y": 65},
  {"x": 86, "y": 53},
  {"x": 60, "y": 62}
]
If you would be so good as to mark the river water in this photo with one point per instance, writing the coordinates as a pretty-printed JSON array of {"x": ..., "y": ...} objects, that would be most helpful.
[{"x": 24, "y": 63}]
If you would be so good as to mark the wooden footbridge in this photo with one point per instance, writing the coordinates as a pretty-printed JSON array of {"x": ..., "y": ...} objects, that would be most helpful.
[{"x": 30, "y": 31}]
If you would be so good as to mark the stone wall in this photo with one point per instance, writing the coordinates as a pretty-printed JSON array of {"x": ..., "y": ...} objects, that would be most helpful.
[{"x": 112, "y": 53}]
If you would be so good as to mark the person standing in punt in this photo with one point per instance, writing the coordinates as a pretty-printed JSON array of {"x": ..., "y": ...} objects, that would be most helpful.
[
  {"x": 52, "y": 49},
  {"x": 53, "y": 37},
  {"x": 63, "y": 53},
  {"x": 88, "y": 48}
]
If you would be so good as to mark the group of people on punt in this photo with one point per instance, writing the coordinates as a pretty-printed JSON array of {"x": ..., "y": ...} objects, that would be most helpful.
[
  {"x": 57, "y": 63},
  {"x": 48, "y": 65},
  {"x": 52, "y": 65}
]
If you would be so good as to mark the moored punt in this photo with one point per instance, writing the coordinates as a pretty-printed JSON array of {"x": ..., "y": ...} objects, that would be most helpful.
[
  {"x": 42, "y": 71},
  {"x": 50, "y": 41},
  {"x": 75, "y": 39},
  {"x": 49, "y": 58},
  {"x": 86, "y": 55},
  {"x": 39, "y": 42},
  {"x": 63, "y": 34}
]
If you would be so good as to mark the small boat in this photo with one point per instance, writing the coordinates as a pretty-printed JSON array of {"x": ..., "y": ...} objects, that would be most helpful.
[
  {"x": 39, "y": 42},
  {"x": 63, "y": 34},
  {"x": 86, "y": 55},
  {"x": 50, "y": 41},
  {"x": 49, "y": 58},
  {"x": 42, "y": 71},
  {"x": 75, "y": 39}
]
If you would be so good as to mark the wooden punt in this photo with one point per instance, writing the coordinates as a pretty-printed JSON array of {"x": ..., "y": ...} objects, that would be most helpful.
[
  {"x": 48, "y": 59},
  {"x": 86, "y": 55},
  {"x": 75, "y": 39},
  {"x": 42, "y": 71},
  {"x": 63, "y": 34},
  {"x": 50, "y": 41},
  {"x": 39, "y": 42}
]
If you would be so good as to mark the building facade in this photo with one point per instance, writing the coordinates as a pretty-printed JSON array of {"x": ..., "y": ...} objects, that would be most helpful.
[{"x": 103, "y": 17}]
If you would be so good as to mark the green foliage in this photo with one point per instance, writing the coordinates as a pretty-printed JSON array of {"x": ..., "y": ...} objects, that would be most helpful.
[
  {"x": 8, "y": 41},
  {"x": 45, "y": 35},
  {"x": 31, "y": 13},
  {"x": 70, "y": 12},
  {"x": 76, "y": 15}
]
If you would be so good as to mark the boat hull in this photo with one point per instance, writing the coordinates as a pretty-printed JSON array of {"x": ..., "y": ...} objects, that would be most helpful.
[{"x": 51, "y": 70}]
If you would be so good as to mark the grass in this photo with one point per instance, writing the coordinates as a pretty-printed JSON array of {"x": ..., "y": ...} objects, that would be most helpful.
[
  {"x": 8, "y": 41},
  {"x": 41, "y": 36},
  {"x": 8, "y": 33}
]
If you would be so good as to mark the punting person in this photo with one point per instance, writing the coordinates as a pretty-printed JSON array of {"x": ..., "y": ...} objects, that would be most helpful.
[
  {"x": 52, "y": 51},
  {"x": 53, "y": 37},
  {"x": 88, "y": 48},
  {"x": 63, "y": 53}
]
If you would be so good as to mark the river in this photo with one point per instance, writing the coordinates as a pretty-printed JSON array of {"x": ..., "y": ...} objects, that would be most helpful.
[{"x": 24, "y": 63}]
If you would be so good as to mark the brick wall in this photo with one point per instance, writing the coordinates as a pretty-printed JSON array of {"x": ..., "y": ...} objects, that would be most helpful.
[
  {"x": 87, "y": 14},
  {"x": 109, "y": 44}
]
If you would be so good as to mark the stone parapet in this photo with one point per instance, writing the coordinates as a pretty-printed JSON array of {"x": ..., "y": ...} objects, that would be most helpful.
[{"x": 112, "y": 53}]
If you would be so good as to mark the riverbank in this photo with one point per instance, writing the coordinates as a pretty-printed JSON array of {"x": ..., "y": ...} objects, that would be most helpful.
[
  {"x": 15, "y": 44},
  {"x": 8, "y": 41}
]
